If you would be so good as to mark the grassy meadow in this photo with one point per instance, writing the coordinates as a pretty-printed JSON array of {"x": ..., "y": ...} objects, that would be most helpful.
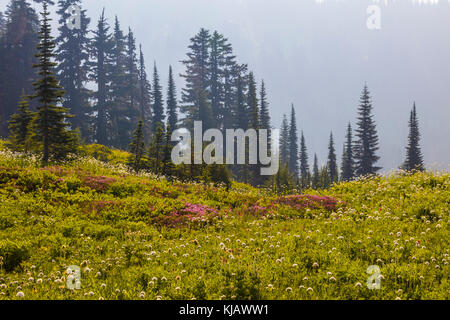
[{"x": 137, "y": 236}]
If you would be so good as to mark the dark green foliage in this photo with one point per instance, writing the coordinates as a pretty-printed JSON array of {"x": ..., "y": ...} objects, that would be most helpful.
[
  {"x": 316, "y": 173},
  {"x": 195, "y": 96},
  {"x": 137, "y": 146},
  {"x": 366, "y": 144},
  {"x": 168, "y": 166},
  {"x": 264, "y": 115},
  {"x": 414, "y": 158},
  {"x": 101, "y": 73},
  {"x": 293, "y": 145},
  {"x": 73, "y": 67},
  {"x": 144, "y": 94},
  {"x": 19, "y": 126},
  {"x": 304, "y": 163},
  {"x": 284, "y": 141},
  {"x": 156, "y": 150},
  {"x": 172, "y": 107},
  {"x": 158, "y": 105},
  {"x": 18, "y": 41},
  {"x": 348, "y": 162},
  {"x": 51, "y": 128},
  {"x": 332, "y": 162}
]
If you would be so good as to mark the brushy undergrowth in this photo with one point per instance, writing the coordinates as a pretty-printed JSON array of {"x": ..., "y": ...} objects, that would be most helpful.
[{"x": 137, "y": 236}]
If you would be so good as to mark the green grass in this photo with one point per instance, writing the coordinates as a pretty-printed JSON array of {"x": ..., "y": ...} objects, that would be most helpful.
[{"x": 139, "y": 237}]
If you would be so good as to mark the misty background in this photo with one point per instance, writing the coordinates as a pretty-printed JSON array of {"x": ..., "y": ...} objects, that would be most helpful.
[{"x": 318, "y": 57}]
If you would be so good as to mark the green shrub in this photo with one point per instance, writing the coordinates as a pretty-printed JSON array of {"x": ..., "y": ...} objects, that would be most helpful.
[{"x": 13, "y": 254}]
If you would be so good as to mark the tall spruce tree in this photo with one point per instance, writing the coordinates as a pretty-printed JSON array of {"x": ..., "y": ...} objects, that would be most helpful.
[
  {"x": 348, "y": 162},
  {"x": 120, "y": 109},
  {"x": 73, "y": 67},
  {"x": 158, "y": 104},
  {"x": 101, "y": 74},
  {"x": 195, "y": 94},
  {"x": 19, "y": 126},
  {"x": 414, "y": 158},
  {"x": 304, "y": 163},
  {"x": 264, "y": 114},
  {"x": 18, "y": 48},
  {"x": 172, "y": 106},
  {"x": 137, "y": 147},
  {"x": 144, "y": 95},
  {"x": 316, "y": 173},
  {"x": 284, "y": 141},
  {"x": 51, "y": 128},
  {"x": 366, "y": 144},
  {"x": 254, "y": 123},
  {"x": 293, "y": 145},
  {"x": 332, "y": 161}
]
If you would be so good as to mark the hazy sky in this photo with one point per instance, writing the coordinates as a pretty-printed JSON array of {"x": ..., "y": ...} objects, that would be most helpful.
[{"x": 317, "y": 56}]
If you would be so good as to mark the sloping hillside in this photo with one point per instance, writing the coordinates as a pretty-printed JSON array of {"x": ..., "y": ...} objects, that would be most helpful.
[{"x": 140, "y": 237}]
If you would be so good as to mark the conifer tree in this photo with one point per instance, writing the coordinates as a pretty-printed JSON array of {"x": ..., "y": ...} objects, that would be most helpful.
[
  {"x": 51, "y": 128},
  {"x": 332, "y": 162},
  {"x": 284, "y": 141},
  {"x": 264, "y": 114},
  {"x": 367, "y": 138},
  {"x": 144, "y": 94},
  {"x": 348, "y": 163},
  {"x": 168, "y": 166},
  {"x": 293, "y": 145},
  {"x": 137, "y": 146},
  {"x": 195, "y": 94},
  {"x": 156, "y": 149},
  {"x": 316, "y": 173},
  {"x": 158, "y": 106},
  {"x": 304, "y": 163},
  {"x": 254, "y": 123},
  {"x": 414, "y": 158},
  {"x": 73, "y": 67},
  {"x": 172, "y": 112},
  {"x": 19, "y": 126},
  {"x": 18, "y": 49},
  {"x": 101, "y": 73},
  {"x": 132, "y": 73},
  {"x": 324, "y": 178},
  {"x": 120, "y": 114}
]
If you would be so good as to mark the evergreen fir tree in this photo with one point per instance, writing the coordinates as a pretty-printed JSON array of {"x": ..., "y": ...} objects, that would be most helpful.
[
  {"x": 158, "y": 106},
  {"x": 132, "y": 73},
  {"x": 304, "y": 163},
  {"x": 367, "y": 137},
  {"x": 316, "y": 173},
  {"x": 101, "y": 73},
  {"x": 144, "y": 95},
  {"x": 168, "y": 166},
  {"x": 284, "y": 141},
  {"x": 414, "y": 158},
  {"x": 19, "y": 126},
  {"x": 332, "y": 162},
  {"x": 264, "y": 114},
  {"x": 121, "y": 123},
  {"x": 172, "y": 112},
  {"x": 73, "y": 67},
  {"x": 18, "y": 48},
  {"x": 324, "y": 178},
  {"x": 195, "y": 94},
  {"x": 348, "y": 163},
  {"x": 156, "y": 149},
  {"x": 137, "y": 147},
  {"x": 254, "y": 123},
  {"x": 51, "y": 128},
  {"x": 293, "y": 145}
]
